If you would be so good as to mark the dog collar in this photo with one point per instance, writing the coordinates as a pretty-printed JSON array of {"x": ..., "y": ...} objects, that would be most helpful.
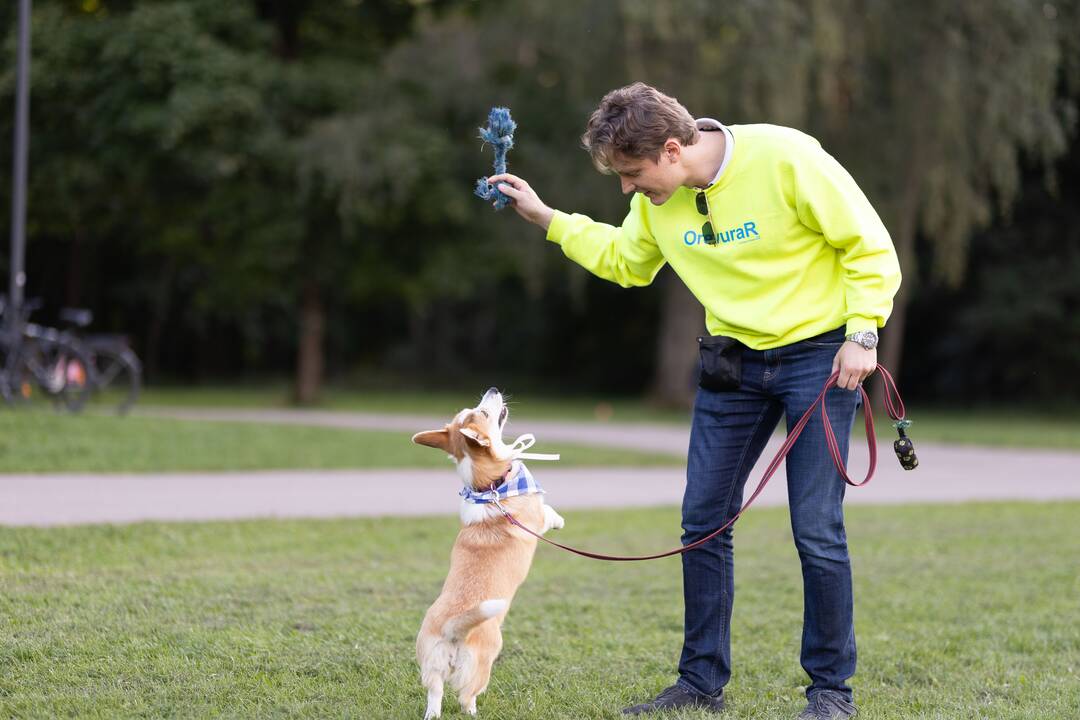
[{"x": 517, "y": 481}]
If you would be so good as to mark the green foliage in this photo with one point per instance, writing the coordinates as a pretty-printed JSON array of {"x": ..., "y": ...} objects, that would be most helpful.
[
  {"x": 197, "y": 164},
  {"x": 50, "y": 442},
  {"x": 147, "y": 128},
  {"x": 182, "y": 135},
  {"x": 931, "y": 105},
  {"x": 1013, "y": 332},
  {"x": 962, "y": 95},
  {"x": 151, "y": 111}
]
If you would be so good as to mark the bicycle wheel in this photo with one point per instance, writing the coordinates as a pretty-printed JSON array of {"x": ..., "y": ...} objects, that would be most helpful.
[
  {"x": 10, "y": 372},
  {"x": 19, "y": 384},
  {"x": 56, "y": 370},
  {"x": 117, "y": 375}
]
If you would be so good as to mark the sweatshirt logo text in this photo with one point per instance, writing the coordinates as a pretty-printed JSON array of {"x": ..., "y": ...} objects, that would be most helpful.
[{"x": 744, "y": 233}]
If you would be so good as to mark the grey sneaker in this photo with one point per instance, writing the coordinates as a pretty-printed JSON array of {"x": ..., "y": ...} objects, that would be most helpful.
[
  {"x": 828, "y": 705},
  {"x": 675, "y": 697}
]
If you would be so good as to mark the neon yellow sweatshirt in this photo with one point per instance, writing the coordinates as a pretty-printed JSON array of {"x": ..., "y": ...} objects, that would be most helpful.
[{"x": 799, "y": 250}]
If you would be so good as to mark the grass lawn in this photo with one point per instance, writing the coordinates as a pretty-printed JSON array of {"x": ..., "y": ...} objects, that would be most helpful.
[
  {"x": 417, "y": 402},
  {"x": 995, "y": 427},
  {"x": 49, "y": 442},
  {"x": 962, "y": 611},
  {"x": 999, "y": 427}
]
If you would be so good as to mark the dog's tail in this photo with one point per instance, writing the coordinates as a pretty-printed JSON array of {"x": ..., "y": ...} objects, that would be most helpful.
[{"x": 457, "y": 628}]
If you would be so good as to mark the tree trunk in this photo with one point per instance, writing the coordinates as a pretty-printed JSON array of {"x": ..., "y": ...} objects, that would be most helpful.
[
  {"x": 892, "y": 338},
  {"x": 891, "y": 349},
  {"x": 309, "y": 363},
  {"x": 681, "y": 321},
  {"x": 285, "y": 15},
  {"x": 681, "y": 315},
  {"x": 159, "y": 315},
  {"x": 73, "y": 293}
]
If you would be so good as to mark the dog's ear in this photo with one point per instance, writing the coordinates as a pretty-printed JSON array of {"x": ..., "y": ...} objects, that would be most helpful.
[
  {"x": 438, "y": 439},
  {"x": 475, "y": 436}
]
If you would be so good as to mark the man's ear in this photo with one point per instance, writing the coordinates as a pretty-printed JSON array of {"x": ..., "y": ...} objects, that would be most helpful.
[
  {"x": 672, "y": 150},
  {"x": 475, "y": 436},
  {"x": 439, "y": 439}
]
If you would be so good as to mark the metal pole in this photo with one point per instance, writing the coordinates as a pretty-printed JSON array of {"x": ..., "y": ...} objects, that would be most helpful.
[{"x": 18, "y": 185}]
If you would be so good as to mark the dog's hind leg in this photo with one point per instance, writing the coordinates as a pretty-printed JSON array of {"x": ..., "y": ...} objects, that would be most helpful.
[
  {"x": 434, "y": 697},
  {"x": 434, "y": 656},
  {"x": 477, "y": 684},
  {"x": 484, "y": 646}
]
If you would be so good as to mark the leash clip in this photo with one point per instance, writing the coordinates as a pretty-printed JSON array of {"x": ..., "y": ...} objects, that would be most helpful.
[{"x": 495, "y": 497}]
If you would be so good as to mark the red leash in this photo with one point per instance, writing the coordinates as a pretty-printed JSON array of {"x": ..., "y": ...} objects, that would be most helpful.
[{"x": 904, "y": 451}]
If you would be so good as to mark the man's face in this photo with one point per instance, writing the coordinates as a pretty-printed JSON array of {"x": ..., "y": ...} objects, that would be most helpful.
[{"x": 657, "y": 179}]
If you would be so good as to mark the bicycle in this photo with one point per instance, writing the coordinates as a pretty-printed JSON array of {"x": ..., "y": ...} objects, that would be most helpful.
[
  {"x": 116, "y": 370},
  {"x": 41, "y": 362}
]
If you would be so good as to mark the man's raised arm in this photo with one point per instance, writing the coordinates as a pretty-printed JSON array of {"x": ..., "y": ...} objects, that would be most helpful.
[{"x": 627, "y": 255}]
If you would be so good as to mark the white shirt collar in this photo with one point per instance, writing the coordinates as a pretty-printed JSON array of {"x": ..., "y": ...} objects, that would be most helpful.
[{"x": 729, "y": 146}]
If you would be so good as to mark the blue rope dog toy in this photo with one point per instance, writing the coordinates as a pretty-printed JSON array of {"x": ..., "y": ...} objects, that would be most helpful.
[{"x": 500, "y": 134}]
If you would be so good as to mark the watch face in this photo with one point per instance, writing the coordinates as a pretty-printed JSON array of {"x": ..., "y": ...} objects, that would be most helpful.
[{"x": 866, "y": 338}]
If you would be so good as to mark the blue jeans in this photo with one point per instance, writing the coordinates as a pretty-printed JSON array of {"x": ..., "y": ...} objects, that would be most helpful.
[{"x": 729, "y": 432}]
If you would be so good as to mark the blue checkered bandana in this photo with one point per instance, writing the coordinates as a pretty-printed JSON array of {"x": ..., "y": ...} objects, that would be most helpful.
[{"x": 519, "y": 481}]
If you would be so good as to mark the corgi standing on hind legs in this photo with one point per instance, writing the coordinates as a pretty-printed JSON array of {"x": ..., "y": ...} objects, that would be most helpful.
[{"x": 461, "y": 634}]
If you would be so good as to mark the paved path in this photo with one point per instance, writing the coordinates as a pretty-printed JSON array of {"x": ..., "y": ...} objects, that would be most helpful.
[{"x": 946, "y": 474}]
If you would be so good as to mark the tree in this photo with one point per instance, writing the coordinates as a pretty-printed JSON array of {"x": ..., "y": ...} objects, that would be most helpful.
[
  {"x": 243, "y": 184},
  {"x": 960, "y": 97},
  {"x": 183, "y": 138},
  {"x": 138, "y": 119},
  {"x": 1011, "y": 333},
  {"x": 354, "y": 162}
]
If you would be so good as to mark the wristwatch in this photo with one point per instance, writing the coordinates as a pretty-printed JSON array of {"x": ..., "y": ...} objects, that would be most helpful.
[{"x": 867, "y": 338}]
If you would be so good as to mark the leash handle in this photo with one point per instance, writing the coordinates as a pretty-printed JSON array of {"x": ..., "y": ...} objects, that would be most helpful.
[
  {"x": 902, "y": 446},
  {"x": 894, "y": 408}
]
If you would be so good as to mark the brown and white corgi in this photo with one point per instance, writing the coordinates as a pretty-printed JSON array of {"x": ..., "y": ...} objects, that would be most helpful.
[{"x": 461, "y": 635}]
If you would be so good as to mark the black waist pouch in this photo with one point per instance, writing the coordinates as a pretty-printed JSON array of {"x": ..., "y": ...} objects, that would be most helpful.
[{"x": 721, "y": 363}]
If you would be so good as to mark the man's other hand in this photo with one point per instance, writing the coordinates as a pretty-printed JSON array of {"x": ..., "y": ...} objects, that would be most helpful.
[
  {"x": 527, "y": 203},
  {"x": 855, "y": 364}
]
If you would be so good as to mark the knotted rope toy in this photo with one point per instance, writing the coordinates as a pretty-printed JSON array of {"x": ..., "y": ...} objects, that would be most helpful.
[{"x": 500, "y": 135}]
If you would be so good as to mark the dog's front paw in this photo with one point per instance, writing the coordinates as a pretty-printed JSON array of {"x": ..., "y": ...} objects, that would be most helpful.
[{"x": 552, "y": 519}]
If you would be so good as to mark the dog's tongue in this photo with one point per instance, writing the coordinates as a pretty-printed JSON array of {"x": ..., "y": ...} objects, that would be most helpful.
[{"x": 523, "y": 443}]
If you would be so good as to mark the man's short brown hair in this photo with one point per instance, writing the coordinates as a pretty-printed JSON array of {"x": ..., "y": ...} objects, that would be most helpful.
[{"x": 634, "y": 122}]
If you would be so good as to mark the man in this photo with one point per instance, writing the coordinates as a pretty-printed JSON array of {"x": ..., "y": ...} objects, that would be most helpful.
[{"x": 796, "y": 273}]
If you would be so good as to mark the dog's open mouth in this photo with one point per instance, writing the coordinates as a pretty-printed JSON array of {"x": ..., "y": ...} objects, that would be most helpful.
[{"x": 502, "y": 415}]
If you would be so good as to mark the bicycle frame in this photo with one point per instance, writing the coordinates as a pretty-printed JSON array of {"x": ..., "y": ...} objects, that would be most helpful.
[{"x": 53, "y": 359}]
